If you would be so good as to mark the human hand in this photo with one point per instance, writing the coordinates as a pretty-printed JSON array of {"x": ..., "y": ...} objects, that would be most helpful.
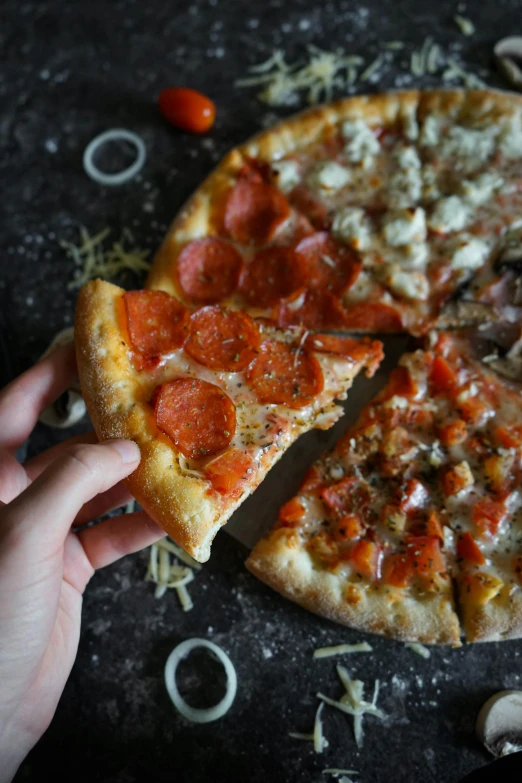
[{"x": 45, "y": 565}]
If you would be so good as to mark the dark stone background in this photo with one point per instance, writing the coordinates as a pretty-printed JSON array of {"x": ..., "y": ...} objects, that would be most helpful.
[{"x": 70, "y": 70}]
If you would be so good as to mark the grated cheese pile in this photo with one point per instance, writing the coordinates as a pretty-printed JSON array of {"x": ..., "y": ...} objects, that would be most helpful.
[
  {"x": 92, "y": 260},
  {"x": 167, "y": 575},
  {"x": 326, "y": 72}
]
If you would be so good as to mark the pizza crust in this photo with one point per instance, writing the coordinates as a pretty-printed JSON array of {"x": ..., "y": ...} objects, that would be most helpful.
[
  {"x": 498, "y": 620},
  {"x": 281, "y": 562}
]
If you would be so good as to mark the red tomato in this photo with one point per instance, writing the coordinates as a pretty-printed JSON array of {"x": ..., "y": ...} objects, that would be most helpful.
[
  {"x": 187, "y": 109},
  {"x": 291, "y": 512},
  {"x": 468, "y": 549}
]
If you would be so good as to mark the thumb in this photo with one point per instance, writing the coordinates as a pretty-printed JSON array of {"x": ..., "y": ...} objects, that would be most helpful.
[{"x": 43, "y": 514}]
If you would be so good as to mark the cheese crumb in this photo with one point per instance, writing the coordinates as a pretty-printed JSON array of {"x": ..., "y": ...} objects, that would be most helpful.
[
  {"x": 449, "y": 214},
  {"x": 330, "y": 176},
  {"x": 469, "y": 253},
  {"x": 351, "y": 225},
  {"x": 361, "y": 144},
  {"x": 405, "y": 226},
  {"x": 420, "y": 649},
  {"x": 342, "y": 649},
  {"x": 466, "y": 26},
  {"x": 286, "y": 174}
]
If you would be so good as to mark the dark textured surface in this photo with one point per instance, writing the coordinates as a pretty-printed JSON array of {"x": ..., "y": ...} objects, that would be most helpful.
[{"x": 69, "y": 71}]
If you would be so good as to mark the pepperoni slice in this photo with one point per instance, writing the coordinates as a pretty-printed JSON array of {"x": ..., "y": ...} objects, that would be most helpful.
[
  {"x": 363, "y": 350},
  {"x": 253, "y": 212},
  {"x": 328, "y": 264},
  {"x": 313, "y": 309},
  {"x": 157, "y": 322},
  {"x": 196, "y": 415},
  {"x": 208, "y": 269},
  {"x": 373, "y": 318},
  {"x": 226, "y": 340},
  {"x": 272, "y": 273},
  {"x": 282, "y": 375},
  {"x": 304, "y": 201}
]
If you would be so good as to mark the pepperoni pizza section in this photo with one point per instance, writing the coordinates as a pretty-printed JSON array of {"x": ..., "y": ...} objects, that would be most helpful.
[
  {"x": 423, "y": 496},
  {"x": 369, "y": 214},
  {"x": 212, "y": 397}
]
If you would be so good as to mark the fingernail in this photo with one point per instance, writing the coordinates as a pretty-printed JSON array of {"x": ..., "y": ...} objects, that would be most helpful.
[{"x": 127, "y": 449}]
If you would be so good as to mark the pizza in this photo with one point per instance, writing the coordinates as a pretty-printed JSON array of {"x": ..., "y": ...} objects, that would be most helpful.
[
  {"x": 212, "y": 397},
  {"x": 412, "y": 526},
  {"x": 381, "y": 213}
]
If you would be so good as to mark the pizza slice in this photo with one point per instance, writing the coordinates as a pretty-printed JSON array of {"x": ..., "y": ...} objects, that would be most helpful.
[
  {"x": 366, "y": 215},
  {"x": 213, "y": 398},
  {"x": 423, "y": 489}
]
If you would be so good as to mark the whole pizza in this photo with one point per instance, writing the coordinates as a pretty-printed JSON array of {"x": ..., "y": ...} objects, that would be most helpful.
[{"x": 393, "y": 213}]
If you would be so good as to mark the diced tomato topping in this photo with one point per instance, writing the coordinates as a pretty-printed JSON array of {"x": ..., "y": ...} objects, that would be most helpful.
[
  {"x": 346, "y": 495},
  {"x": 509, "y": 437},
  {"x": 443, "y": 377},
  {"x": 365, "y": 558},
  {"x": 444, "y": 343},
  {"x": 414, "y": 496},
  {"x": 425, "y": 555},
  {"x": 348, "y": 527},
  {"x": 313, "y": 481},
  {"x": 400, "y": 384},
  {"x": 499, "y": 473},
  {"x": 397, "y": 570},
  {"x": 487, "y": 515},
  {"x": 456, "y": 479},
  {"x": 229, "y": 472},
  {"x": 473, "y": 410},
  {"x": 452, "y": 433},
  {"x": 468, "y": 549},
  {"x": 434, "y": 526},
  {"x": 291, "y": 512}
]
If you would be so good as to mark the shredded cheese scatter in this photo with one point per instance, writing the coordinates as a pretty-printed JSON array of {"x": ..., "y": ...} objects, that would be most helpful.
[
  {"x": 352, "y": 702},
  {"x": 167, "y": 575},
  {"x": 466, "y": 26},
  {"x": 92, "y": 260},
  {"x": 342, "y": 649},
  {"x": 336, "y": 772},
  {"x": 420, "y": 649}
]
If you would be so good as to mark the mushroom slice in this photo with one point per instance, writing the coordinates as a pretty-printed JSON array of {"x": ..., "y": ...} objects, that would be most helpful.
[
  {"x": 459, "y": 313},
  {"x": 510, "y": 365},
  {"x": 499, "y": 723},
  {"x": 508, "y": 54}
]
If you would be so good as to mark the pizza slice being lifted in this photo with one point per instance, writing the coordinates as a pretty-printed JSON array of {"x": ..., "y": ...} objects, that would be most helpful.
[
  {"x": 424, "y": 492},
  {"x": 212, "y": 398}
]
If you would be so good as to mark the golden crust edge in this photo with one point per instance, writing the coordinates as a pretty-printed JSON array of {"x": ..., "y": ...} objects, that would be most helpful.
[{"x": 275, "y": 561}]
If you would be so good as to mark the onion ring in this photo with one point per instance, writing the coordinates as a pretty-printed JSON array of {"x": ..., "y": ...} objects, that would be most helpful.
[
  {"x": 195, "y": 714},
  {"x": 114, "y": 134}
]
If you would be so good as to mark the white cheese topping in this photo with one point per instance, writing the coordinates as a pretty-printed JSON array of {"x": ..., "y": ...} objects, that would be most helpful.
[
  {"x": 330, "y": 176},
  {"x": 476, "y": 145},
  {"x": 420, "y": 649},
  {"x": 430, "y": 189},
  {"x": 408, "y": 285},
  {"x": 449, "y": 214},
  {"x": 469, "y": 253},
  {"x": 430, "y": 133},
  {"x": 416, "y": 256},
  {"x": 511, "y": 139},
  {"x": 361, "y": 144},
  {"x": 411, "y": 127},
  {"x": 405, "y": 226},
  {"x": 479, "y": 190},
  {"x": 286, "y": 174},
  {"x": 405, "y": 185},
  {"x": 351, "y": 225}
]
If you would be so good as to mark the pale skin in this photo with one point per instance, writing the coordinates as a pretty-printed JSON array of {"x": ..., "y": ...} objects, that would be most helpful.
[{"x": 45, "y": 565}]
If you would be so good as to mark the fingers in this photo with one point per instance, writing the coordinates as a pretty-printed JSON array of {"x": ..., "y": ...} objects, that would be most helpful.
[
  {"x": 22, "y": 401},
  {"x": 38, "y": 464},
  {"x": 115, "y": 497},
  {"x": 119, "y": 536},
  {"x": 13, "y": 478},
  {"x": 42, "y": 516}
]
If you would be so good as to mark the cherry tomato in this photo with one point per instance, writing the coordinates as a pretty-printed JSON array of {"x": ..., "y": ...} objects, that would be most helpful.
[{"x": 187, "y": 109}]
